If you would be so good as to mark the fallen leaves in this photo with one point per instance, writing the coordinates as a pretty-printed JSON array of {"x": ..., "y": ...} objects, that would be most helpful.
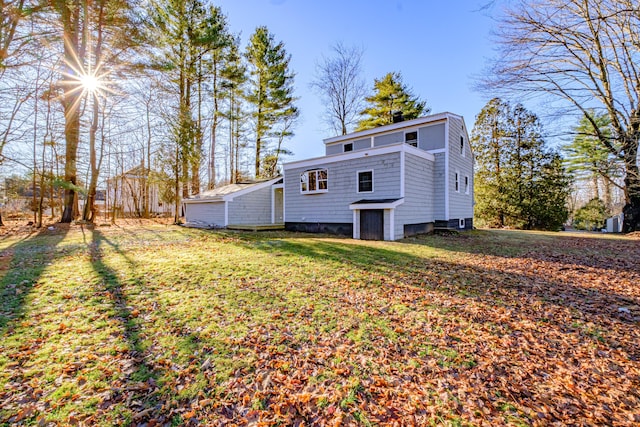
[{"x": 477, "y": 329}]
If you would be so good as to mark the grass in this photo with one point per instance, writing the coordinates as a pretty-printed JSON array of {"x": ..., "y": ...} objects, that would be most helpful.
[{"x": 166, "y": 325}]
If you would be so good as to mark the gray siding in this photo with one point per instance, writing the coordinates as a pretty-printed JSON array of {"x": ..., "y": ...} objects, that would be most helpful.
[
  {"x": 362, "y": 144},
  {"x": 211, "y": 213},
  {"x": 387, "y": 139},
  {"x": 333, "y": 149},
  {"x": 358, "y": 144},
  {"x": 251, "y": 208},
  {"x": 333, "y": 206},
  {"x": 460, "y": 204},
  {"x": 418, "y": 197},
  {"x": 431, "y": 137},
  {"x": 439, "y": 186}
]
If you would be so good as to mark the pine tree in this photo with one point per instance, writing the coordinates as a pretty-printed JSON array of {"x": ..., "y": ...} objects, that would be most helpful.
[
  {"x": 591, "y": 216},
  {"x": 189, "y": 36},
  {"x": 519, "y": 182},
  {"x": 489, "y": 141},
  {"x": 588, "y": 159},
  {"x": 233, "y": 80},
  {"x": 270, "y": 95},
  {"x": 390, "y": 96}
]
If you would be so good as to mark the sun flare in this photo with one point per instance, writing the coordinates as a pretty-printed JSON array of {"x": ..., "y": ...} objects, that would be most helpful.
[{"x": 89, "y": 82}]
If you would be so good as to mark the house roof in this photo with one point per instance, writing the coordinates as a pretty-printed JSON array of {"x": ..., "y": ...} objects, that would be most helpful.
[
  {"x": 376, "y": 204},
  {"x": 391, "y": 127},
  {"x": 228, "y": 192},
  {"x": 370, "y": 201}
]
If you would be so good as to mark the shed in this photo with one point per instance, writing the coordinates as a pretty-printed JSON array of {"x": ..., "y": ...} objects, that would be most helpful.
[
  {"x": 253, "y": 203},
  {"x": 614, "y": 224}
]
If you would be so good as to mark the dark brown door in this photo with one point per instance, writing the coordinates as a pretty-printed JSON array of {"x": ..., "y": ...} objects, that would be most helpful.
[{"x": 372, "y": 224}]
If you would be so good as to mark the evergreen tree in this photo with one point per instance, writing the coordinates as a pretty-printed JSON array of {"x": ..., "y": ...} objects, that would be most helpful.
[
  {"x": 591, "y": 216},
  {"x": 519, "y": 182},
  {"x": 270, "y": 95},
  {"x": 390, "y": 96},
  {"x": 589, "y": 159},
  {"x": 233, "y": 80},
  {"x": 490, "y": 145},
  {"x": 189, "y": 36}
]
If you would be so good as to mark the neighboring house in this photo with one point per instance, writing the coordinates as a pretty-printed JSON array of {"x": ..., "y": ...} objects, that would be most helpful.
[
  {"x": 385, "y": 183},
  {"x": 126, "y": 194},
  {"x": 246, "y": 203}
]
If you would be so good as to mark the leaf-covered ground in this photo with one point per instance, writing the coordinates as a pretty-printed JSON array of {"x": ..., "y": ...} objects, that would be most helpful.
[{"x": 159, "y": 325}]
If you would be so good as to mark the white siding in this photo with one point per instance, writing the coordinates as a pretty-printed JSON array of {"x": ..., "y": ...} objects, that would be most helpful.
[{"x": 211, "y": 213}]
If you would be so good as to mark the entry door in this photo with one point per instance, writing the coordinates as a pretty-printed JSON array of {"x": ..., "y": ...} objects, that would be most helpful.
[
  {"x": 372, "y": 224},
  {"x": 278, "y": 206}
]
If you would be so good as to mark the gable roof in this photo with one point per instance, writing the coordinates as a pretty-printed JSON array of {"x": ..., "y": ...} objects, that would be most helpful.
[{"x": 230, "y": 191}]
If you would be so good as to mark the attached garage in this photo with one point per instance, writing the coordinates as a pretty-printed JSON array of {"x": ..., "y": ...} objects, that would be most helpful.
[{"x": 247, "y": 203}]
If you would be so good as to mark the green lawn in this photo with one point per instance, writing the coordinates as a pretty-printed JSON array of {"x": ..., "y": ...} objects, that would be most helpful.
[{"x": 161, "y": 325}]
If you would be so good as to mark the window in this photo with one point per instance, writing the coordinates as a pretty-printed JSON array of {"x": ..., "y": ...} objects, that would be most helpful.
[
  {"x": 466, "y": 185},
  {"x": 462, "y": 146},
  {"x": 313, "y": 181},
  {"x": 411, "y": 138},
  {"x": 365, "y": 182},
  {"x": 461, "y": 223},
  {"x": 348, "y": 147},
  {"x": 457, "y": 182}
]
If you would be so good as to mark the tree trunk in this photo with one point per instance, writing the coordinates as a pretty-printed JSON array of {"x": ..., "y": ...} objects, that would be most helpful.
[
  {"x": 632, "y": 183},
  {"x": 89, "y": 206},
  {"x": 73, "y": 54},
  {"x": 596, "y": 188}
]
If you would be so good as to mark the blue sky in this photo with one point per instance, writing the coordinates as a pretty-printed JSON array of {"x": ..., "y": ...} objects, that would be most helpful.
[{"x": 438, "y": 46}]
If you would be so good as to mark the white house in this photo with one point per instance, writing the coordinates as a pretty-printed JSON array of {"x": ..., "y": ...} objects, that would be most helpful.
[{"x": 385, "y": 183}]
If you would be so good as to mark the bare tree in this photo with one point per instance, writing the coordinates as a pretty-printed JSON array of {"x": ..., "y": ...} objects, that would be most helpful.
[
  {"x": 340, "y": 83},
  {"x": 586, "y": 54}
]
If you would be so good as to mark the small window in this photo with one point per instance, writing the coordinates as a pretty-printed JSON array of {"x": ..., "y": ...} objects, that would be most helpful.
[
  {"x": 457, "y": 182},
  {"x": 348, "y": 147},
  {"x": 466, "y": 185},
  {"x": 313, "y": 181},
  {"x": 365, "y": 182},
  {"x": 411, "y": 138},
  {"x": 462, "y": 146},
  {"x": 461, "y": 223}
]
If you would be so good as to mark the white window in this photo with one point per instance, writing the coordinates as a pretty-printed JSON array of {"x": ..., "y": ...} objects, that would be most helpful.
[
  {"x": 462, "y": 145},
  {"x": 411, "y": 138},
  {"x": 348, "y": 147},
  {"x": 457, "y": 180},
  {"x": 466, "y": 185},
  {"x": 461, "y": 223},
  {"x": 314, "y": 181},
  {"x": 365, "y": 181}
]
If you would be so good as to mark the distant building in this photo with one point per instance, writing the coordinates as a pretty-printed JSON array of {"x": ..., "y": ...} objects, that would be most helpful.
[{"x": 126, "y": 194}]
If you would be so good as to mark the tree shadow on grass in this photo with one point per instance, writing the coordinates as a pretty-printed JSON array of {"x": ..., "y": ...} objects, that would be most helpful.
[
  {"x": 493, "y": 285},
  {"x": 139, "y": 389},
  {"x": 22, "y": 264}
]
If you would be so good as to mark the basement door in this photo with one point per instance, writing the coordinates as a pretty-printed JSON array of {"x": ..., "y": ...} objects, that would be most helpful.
[{"x": 372, "y": 224}]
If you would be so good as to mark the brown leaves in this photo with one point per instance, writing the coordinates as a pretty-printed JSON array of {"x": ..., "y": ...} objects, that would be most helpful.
[{"x": 528, "y": 329}]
